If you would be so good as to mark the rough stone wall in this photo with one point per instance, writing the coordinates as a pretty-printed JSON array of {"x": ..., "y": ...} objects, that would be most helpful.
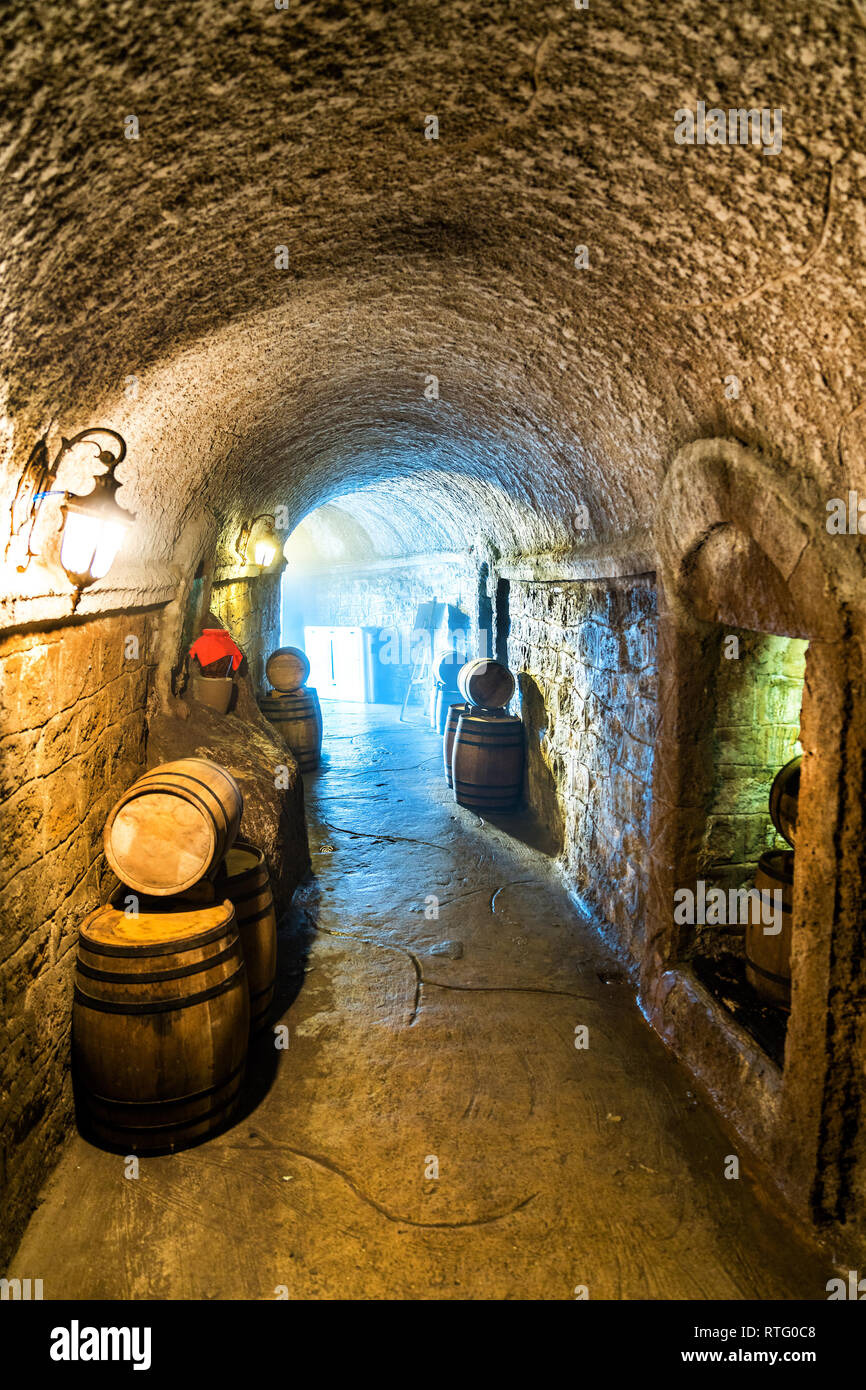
[
  {"x": 72, "y": 738},
  {"x": 250, "y": 610},
  {"x": 585, "y": 655},
  {"x": 756, "y": 731}
]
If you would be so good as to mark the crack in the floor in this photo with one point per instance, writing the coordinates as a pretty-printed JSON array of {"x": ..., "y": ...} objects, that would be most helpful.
[
  {"x": 368, "y": 771},
  {"x": 503, "y": 886},
  {"x": 421, "y": 979},
  {"x": 382, "y": 946},
  {"x": 377, "y": 1206},
  {"x": 507, "y": 989},
  {"x": 389, "y": 839},
  {"x": 458, "y": 897}
]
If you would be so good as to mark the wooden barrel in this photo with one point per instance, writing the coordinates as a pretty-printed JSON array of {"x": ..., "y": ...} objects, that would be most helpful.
[
  {"x": 487, "y": 684},
  {"x": 173, "y": 826},
  {"x": 445, "y": 698},
  {"x": 160, "y": 1022},
  {"x": 768, "y": 957},
  {"x": 298, "y": 717},
  {"x": 287, "y": 668},
  {"x": 784, "y": 799},
  {"x": 243, "y": 879},
  {"x": 448, "y": 667},
  {"x": 453, "y": 714},
  {"x": 487, "y": 761}
]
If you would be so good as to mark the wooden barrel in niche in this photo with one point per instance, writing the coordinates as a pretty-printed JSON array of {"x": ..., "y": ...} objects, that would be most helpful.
[
  {"x": 298, "y": 717},
  {"x": 287, "y": 668},
  {"x": 784, "y": 799},
  {"x": 487, "y": 761},
  {"x": 454, "y": 713},
  {"x": 243, "y": 879},
  {"x": 173, "y": 826},
  {"x": 160, "y": 1022},
  {"x": 486, "y": 684},
  {"x": 768, "y": 957}
]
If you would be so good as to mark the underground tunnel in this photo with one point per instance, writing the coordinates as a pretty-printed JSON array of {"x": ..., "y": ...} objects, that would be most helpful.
[{"x": 423, "y": 472}]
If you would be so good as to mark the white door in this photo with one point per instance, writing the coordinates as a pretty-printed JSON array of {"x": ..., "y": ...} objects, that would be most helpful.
[{"x": 336, "y": 657}]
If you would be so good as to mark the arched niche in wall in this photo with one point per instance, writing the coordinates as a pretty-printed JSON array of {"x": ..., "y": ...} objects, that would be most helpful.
[{"x": 744, "y": 553}]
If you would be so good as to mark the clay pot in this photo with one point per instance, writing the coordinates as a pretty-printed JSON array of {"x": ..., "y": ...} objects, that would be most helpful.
[{"x": 214, "y": 691}]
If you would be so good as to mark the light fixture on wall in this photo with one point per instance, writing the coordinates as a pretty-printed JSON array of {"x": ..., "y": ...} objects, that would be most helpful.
[
  {"x": 93, "y": 527},
  {"x": 261, "y": 539}
]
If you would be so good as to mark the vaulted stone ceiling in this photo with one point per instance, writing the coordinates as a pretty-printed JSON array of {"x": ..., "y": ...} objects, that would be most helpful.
[{"x": 154, "y": 258}]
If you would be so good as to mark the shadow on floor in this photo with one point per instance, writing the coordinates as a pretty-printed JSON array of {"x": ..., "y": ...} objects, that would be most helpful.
[
  {"x": 296, "y": 931},
  {"x": 526, "y": 827}
]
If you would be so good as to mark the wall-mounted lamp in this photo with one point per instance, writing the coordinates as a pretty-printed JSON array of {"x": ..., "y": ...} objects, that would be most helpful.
[
  {"x": 264, "y": 542},
  {"x": 93, "y": 526},
  {"x": 264, "y": 553}
]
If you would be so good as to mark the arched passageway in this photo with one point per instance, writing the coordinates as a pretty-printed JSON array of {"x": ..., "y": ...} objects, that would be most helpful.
[{"x": 441, "y": 304}]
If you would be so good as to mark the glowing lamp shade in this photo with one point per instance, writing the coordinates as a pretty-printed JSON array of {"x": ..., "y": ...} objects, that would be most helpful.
[
  {"x": 93, "y": 532},
  {"x": 264, "y": 553}
]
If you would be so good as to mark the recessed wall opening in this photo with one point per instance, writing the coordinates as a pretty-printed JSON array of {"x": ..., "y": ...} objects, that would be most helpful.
[
  {"x": 503, "y": 619},
  {"x": 485, "y": 611},
  {"x": 753, "y": 732}
]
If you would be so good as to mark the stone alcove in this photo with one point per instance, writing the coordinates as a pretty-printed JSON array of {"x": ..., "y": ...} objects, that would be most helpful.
[{"x": 743, "y": 551}]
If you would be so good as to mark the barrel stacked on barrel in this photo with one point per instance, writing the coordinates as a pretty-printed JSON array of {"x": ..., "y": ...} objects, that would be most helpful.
[
  {"x": 483, "y": 745},
  {"x": 292, "y": 707},
  {"x": 177, "y": 969}
]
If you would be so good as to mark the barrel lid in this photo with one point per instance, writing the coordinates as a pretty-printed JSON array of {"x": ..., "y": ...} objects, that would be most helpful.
[
  {"x": 241, "y": 858},
  {"x": 486, "y": 682},
  {"x": 478, "y": 715},
  {"x": 166, "y": 834},
  {"x": 156, "y": 922},
  {"x": 287, "y": 668}
]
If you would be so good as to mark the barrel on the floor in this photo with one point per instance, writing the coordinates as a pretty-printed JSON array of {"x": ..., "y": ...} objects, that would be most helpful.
[
  {"x": 287, "y": 668},
  {"x": 768, "y": 957},
  {"x": 173, "y": 826},
  {"x": 487, "y": 761},
  {"x": 298, "y": 717},
  {"x": 454, "y": 713},
  {"x": 487, "y": 684},
  {"x": 784, "y": 799},
  {"x": 160, "y": 1022},
  {"x": 445, "y": 698},
  {"x": 243, "y": 879}
]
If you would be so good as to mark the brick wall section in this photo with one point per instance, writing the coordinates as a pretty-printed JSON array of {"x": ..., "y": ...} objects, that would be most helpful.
[
  {"x": 72, "y": 736},
  {"x": 585, "y": 655},
  {"x": 250, "y": 611},
  {"x": 756, "y": 728}
]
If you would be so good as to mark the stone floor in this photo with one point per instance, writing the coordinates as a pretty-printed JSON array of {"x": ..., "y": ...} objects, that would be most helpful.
[{"x": 420, "y": 1045}]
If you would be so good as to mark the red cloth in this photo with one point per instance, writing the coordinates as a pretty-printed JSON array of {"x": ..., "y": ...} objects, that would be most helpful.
[{"x": 213, "y": 644}]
